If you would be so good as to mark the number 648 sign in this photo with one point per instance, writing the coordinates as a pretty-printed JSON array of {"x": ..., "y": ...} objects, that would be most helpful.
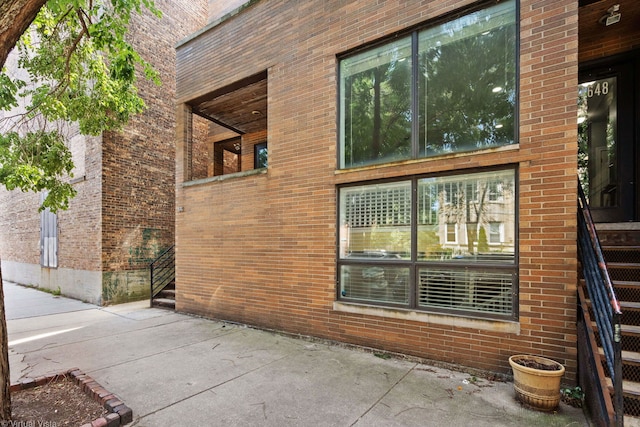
[{"x": 598, "y": 88}]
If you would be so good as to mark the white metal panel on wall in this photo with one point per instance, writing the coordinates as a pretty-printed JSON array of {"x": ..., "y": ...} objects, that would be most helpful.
[{"x": 48, "y": 238}]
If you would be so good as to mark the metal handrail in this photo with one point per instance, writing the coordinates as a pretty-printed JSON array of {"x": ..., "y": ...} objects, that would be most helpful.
[
  {"x": 163, "y": 271},
  {"x": 604, "y": 304}
]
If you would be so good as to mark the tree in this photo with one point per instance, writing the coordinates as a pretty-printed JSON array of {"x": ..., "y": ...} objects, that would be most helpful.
[
  {"x": 457, "y": 94},
  {"x": 81, "y": 69},
  {"x": 377, "y": 113},
  {"x": 15, "y": 18},
  {"x": 468, "y": 104}
]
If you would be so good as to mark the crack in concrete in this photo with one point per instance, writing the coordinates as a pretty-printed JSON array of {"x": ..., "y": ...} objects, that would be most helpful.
[
  {"x": 209, "y": 389},
  {"x": 157, "y": 353},
  {"x": 383, "y": 396}
]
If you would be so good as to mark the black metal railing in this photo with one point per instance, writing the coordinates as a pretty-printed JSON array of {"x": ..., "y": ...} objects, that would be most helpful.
[
  {"x": 604, "y": 308},
  {"x": 163, "y": 271}
]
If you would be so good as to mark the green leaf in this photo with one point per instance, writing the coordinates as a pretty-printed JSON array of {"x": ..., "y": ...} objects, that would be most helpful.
[
  {"x": 8, "y": 91},
  {"x": 81, "y": 69}
]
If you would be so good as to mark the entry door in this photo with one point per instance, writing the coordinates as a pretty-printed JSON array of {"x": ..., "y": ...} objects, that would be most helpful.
[{"x": 605, "y": 142}]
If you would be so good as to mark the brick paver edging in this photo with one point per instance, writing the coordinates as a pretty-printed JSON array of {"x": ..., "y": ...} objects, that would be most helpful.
[{"x": 120, "y": 414}]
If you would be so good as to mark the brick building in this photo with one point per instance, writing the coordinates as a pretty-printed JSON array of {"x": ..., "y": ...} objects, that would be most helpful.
[
  {"x": 123, "y": 215},
  {"x": 403, "y": 175}
]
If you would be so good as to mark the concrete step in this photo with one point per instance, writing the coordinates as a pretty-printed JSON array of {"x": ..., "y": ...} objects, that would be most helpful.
[
  {"x": 630, "y": 330},
  {"x": 164, "y": 303},
  {"x": 624, "y": 234},
  {"x": 167, "y": 293},
  {"x": 626, "y": 284},
  {"x": 623, "y": 266},
  {"x": 629, "y": 388},
  {"x": 629, "y": 305},
  {"x": 624, "y": 305},
  {"x": 622, "y": 284},
  {"x": 631, "y": 421},
  {"x": 627, "y": 330},
  {"x": 628, "y": 357}
]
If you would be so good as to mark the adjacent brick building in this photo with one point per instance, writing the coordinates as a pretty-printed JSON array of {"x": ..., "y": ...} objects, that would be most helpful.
[
  {"x": 419, "y": 192},
  {"x": 123, "y": 215}
]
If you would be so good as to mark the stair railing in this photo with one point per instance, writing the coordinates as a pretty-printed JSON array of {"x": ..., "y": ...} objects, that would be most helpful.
[
  {"x": 605, "y": 308},
  {"x": 163, "y": 271}
]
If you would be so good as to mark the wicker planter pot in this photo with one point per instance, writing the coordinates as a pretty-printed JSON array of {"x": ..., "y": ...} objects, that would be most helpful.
[{"x": 535, "y": 387}]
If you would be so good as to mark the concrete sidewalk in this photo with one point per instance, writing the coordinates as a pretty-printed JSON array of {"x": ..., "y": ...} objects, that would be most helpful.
[{"x": 177, "y": 370}]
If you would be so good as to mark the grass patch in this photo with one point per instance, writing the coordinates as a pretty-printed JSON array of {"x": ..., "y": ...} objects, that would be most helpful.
[
  {"x": 54, "y": 292},
  {"x": 384, "y": 356}
]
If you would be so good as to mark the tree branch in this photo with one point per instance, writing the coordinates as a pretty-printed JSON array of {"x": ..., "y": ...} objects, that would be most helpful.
[{"x": 15, "y": 18}]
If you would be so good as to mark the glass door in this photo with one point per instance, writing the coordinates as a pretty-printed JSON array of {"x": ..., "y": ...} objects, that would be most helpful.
[{"x": 605, "y": 143}]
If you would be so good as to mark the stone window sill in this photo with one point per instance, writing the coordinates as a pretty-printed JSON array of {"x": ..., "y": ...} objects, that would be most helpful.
[{"x": 501, "y": 326}]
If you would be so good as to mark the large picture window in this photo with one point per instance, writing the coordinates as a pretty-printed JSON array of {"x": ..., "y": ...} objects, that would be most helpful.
[
  {"x": 443, "y": 243},
  {"x": 444, "y": 89}
]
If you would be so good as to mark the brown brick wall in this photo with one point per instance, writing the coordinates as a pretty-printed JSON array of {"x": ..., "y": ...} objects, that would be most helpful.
[
  {"x": 19, "y": 227},
  {"x": 79, "y": 226},
  {"x": 201, "y": 148},
  {"x": 548, "y": 180},
  {"x": 20, "y": 219},
  {"x": 262, "y": 249},
  {"x": 124, "y": 211},
  {"x": 139, "y": 162},
  {"x": 138, "y": 181},
  {"x": 248, "y": 145}
]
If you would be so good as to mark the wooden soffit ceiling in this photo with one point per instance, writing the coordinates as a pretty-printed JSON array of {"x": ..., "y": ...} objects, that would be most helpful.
[
  {"x": 241, "y": 107},
  {"x": 592, "y": 12}
]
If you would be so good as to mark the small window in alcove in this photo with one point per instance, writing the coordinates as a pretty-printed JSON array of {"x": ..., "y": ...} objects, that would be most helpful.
[
  {"x": 260, "y": 155},
  {"x": 227, "y": 156},
  {"x": 229, "y": 128}
]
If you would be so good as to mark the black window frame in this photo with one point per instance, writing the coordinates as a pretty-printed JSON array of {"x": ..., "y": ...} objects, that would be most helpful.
[
  {"x": 414, "y": 264},
  {"x": 257, "y": 148},
  {"x": 413, "y": 33}
]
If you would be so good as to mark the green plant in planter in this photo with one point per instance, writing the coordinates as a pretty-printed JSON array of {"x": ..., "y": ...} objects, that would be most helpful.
[{"x": 573, "y": 396}]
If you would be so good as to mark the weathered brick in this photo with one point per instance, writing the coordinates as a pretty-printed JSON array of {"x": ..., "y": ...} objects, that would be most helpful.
[
  {"x": 99, "y": 422},
  {"x": 125, "y": 413},
  {"x": 112, "y": 404},
  {"x": 113, "y": 420},
  {"x": 261, "y": 249},
  {"x": 123, "y": 214}
]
